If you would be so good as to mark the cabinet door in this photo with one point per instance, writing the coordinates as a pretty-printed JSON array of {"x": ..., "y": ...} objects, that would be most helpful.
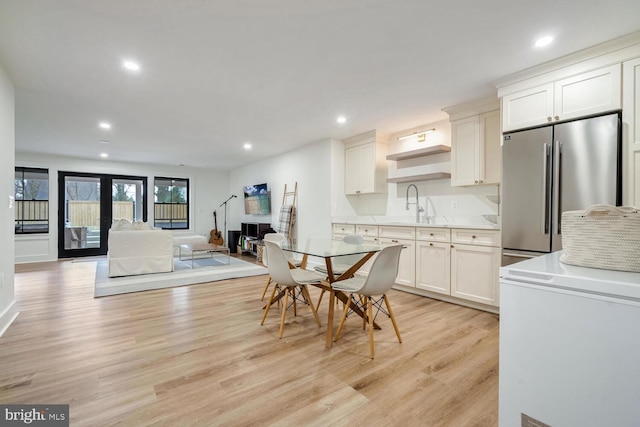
[
  {"x": 407, "y": 266},
  {"x": 527, "y": 108},
  {"x": 360, "y": 169},
  {"x": 491, "y": 152},
  {"x": 433, "y": 267},
  {"x": 475, "y": 150},
  {"x": 465, "y": 151},
  {"x": 588, "y": 93},
  {"x": 352, "y": 173},
  {"x": 474, "y": 273}
]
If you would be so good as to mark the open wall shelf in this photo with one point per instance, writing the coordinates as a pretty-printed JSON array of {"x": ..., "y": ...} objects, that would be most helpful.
[
  {"x": 427, "y": 151},
  {"x": 425, "y": 177}
]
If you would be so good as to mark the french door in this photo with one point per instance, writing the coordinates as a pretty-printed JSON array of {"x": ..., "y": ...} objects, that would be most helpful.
[{"x": 88, "y": 203}]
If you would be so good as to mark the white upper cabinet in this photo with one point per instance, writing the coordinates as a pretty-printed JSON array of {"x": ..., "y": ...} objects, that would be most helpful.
[
  {"x": 588, "y": 93},
  {"x": 365, "y": 164},
  {"x": 475, "y": 144},
  {"x": 580, "y": 95},
  {"x": 527, "y": 108}
]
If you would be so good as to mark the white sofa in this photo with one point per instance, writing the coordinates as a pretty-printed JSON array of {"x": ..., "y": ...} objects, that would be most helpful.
[{"x": 139, "y": 251}]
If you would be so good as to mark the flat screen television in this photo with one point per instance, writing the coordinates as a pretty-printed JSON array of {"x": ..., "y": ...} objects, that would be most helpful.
[{"x": 257, "y": 200}]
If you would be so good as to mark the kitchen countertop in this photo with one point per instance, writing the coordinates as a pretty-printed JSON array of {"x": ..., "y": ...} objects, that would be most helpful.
[{"x": 418, "y": 224}]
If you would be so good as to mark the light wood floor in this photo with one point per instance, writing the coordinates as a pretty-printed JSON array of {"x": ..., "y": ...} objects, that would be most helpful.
[{"x": 197, "y": 355}]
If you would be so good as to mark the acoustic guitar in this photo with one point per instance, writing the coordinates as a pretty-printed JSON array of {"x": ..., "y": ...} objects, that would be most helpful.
[{"x": 215, "y": 236}]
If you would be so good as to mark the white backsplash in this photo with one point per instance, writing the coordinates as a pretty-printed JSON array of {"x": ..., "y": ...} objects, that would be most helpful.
[{"x": 442, "y": 203}]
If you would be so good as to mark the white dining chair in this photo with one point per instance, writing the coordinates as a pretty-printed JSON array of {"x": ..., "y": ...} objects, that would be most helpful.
[
  {"x": 381, "y": 278},
  {"x": 277, "y": 238},
  {"x": 343, "y": 263},
  {"x": 288, "y": 280},
  {"x": 269, "y": 237}
]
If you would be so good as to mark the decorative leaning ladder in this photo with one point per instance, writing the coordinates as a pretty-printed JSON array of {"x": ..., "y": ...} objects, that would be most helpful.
[{"x": 288, "y": 211}]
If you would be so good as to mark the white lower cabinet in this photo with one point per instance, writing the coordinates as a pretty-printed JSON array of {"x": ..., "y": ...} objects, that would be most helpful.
[
  {"x": 391, "y": 235},
  {"x": 432, "y": 267},
  {"x": 461, "y": 263},
  {"x": 475, "y": 273},
  {"x": 407, "y": 266},
  {"x": 433, "y": 259}
]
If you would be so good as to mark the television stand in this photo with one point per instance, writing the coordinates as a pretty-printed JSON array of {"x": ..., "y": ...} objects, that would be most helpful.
[{"x": 250, "y": 233}]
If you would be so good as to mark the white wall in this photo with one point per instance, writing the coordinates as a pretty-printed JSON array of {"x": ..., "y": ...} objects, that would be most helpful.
[
  {"x": 311, "y": 167},
  {"x": 208, "y": 189},
  {"x": 7, "y": 215}
]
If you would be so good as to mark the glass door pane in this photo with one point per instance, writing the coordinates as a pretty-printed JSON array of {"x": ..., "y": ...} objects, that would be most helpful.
[
  {"x": 127, "y": 197},
  {"x": 82, "y": 212}
]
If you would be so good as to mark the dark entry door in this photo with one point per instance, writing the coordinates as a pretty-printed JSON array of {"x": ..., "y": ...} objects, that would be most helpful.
[{"x": 87, "y": 203}]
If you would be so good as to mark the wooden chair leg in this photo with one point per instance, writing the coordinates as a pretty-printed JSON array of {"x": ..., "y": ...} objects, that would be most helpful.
[
  {"x": 363, "y": 304},
  {"x": 295, "y": 307},
  {"x": 266, "y": 311},
  {"x": 284, "y": 312},
  {"x": 393, "y": 319},
  {"x": 370, "y": 311},
  {"x": 265, "y": 289},
  {"x": 344, "y": 316},
  {"x": 320, "y": 298},
  {"x": 305, "y": 292}
]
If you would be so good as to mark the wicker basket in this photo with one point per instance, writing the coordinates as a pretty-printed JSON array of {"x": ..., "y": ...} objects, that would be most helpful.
[{"x": 602, "y": 236}]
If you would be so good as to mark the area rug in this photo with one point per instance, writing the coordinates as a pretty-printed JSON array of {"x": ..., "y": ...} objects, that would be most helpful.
[{"x": 205, "y": 270}]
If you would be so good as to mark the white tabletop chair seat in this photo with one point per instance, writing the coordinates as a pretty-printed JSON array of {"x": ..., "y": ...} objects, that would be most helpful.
[{"x": 381, "y": 278}]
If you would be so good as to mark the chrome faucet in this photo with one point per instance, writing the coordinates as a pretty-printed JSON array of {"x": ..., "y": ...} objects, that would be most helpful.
[{"x": 418, "y": 208}]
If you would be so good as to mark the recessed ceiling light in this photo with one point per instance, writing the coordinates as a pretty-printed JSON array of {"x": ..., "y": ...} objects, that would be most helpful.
[
  {"x": 104, "y": 141},
  {"x": 104, "y": 155},
  {"x": 544, "y": 41},
  {"x": 104, "y": 125},
  {"x": 341, "y": 119},
  {"x": 131, "y": 65},
  {"x": 247, "y": 146}
]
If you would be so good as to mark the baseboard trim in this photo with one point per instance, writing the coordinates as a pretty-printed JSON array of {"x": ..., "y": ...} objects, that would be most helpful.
[
  {"x": 449, "y": 299},
  {"x": 7, "y": 317}
]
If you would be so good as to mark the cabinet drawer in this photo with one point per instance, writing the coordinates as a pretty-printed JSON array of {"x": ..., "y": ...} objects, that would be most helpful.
[
  {"x": 344, "y": 229},
  {"x": 476, "y": 237},
  {"x": 433, "y": 234},
  {"x": 392, "y": 232},
  {"x": 367, "y": 230}
]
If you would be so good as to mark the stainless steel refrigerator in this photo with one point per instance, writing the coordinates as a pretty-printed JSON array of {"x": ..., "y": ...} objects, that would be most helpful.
[{"x": 552, "y": 169}]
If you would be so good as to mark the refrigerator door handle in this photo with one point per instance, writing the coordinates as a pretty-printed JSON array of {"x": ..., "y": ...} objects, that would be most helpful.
[
  {"x": 546, "y": 188},
  {"x": 557, "y": 182}
]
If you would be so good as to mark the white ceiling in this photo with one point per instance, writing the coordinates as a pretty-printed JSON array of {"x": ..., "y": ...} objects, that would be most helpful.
[{"x": 276, "y": 73}]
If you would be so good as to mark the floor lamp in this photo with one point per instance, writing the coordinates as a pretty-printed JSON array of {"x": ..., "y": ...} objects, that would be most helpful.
[{"x": 225, "y": 218}]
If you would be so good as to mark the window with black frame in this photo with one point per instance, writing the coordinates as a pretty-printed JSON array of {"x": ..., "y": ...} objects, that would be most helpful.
[
  {"x": 32, "y": 200},
  {"x": 171, "y": 203}
]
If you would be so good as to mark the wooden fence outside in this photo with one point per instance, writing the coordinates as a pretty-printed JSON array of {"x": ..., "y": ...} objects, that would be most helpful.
[
  {"x": 176, "y": 212},
  {"x": 32, "y": 210},
  {"x": 87, "y": 213}
]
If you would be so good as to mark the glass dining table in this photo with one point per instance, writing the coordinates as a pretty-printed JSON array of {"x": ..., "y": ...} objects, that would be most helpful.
[{"x": 328, "y": 249}]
